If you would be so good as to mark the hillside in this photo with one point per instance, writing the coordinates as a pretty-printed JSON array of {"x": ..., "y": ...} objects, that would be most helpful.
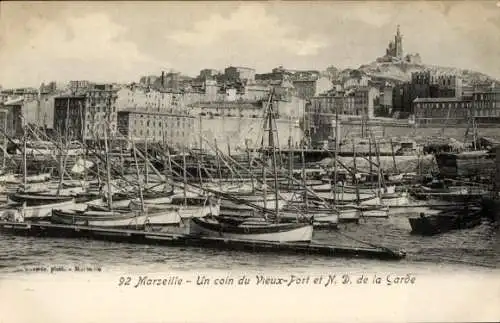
[{"x": 402, "y": 72}]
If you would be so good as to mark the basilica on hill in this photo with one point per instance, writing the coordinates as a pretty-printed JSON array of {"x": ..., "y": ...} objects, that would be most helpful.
[{"x": 394, "y": 52}]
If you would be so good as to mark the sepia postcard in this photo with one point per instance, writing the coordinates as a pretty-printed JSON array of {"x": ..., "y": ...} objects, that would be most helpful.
[{"x": 249, "y": 161}]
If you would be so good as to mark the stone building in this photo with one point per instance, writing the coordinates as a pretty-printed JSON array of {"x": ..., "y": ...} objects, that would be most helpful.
[
  {"x": 308, "y": 88},
  {"x": 88, "y": 115},
  {"x": 79, "y": 86},
  {"x": 486, "y": 105},
  {"x": 209, "y": 74},
  {"x": 364, "y": 101},
  {"x": 143, "y": 98},
  {"x": 233, "y": 73},
  {"x": 442, "y": 111},
  {"x": 70, "y": 117},
  {"x": 11, "y": 121},
  {"x": 426, "y": 84},
  {"x": 141, "y": 126}
]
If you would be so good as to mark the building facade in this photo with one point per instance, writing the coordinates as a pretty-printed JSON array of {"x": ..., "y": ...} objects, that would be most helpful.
[
  {"x": 142, "y": 98},
  {"x": 79, "y": 86},
  {"x": 425, "y": 84},
  {"x": 209, "y": 74},
  {"x": 142, "y": 126},
  {"x": 306, "y": 88},
  {"x": 70, "y": 116},
  {"x": 11, "y": 120},
  {"x": 233, "y": 73},
  {"x": 486, "y": 105},
  {"x": 96, "y": 110},
  {"x": 323, "y": 109},
  {"x": 442, "y": 111},
  {"x": 364, "y": 101}
]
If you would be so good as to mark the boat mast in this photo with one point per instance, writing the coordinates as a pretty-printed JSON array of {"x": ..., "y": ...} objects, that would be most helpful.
[
  {"x": 335, "y": 156},
  {"x": 61, "y": 161},
  {"x": 381, "y": 181},
  {"x": 290, "y": 153},
  {"x": 370, "y": 158},
  {"x": 272, "y": 145},
  {"x": 304, "y": 177},
  {"x": 184, "y": 174},
  {"x": 85, "y": 154},
  {"x": 108, "y": 169},
  {"x": 5, "y": 139},
  {"x": 146, "y": 157},
  {"x": 474, "y": 132},
  {"x": 24, "y": 157},
  {"x": 217, "y": 160},
  {"x": 139, "y": 181},
  {"x": 250, "y": 166},
  {"x": 355, "y": 174}
]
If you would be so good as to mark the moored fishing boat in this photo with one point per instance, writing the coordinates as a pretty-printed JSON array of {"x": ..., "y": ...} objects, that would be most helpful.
[
  {"x": 281, "y": 232},
  {"x": 427, "y": 207},
  {"x": 36, "y": 199},
  {"x": 117, "y": 219},
  {"x": 444, "y": 221},
  {"x": 395, "y": 199},
  {"x": 38, "y": 207},
  {"x": 448, "y": 190},
  {"x": 376, "y": 211},
  {"x": 242, "y": 201},
  {"x": 345, "y": 198},
  {"x": 262, "y": 230},
  {"x": 38, "y": 178},
  {"x": 188, "y": 207}
]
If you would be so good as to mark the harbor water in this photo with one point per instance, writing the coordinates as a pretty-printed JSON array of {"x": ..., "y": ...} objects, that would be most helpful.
[{"x": 477, "y": 248}]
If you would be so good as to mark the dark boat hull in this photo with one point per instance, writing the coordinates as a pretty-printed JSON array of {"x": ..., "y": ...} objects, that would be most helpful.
[
  {"x": 37, "y": 199},
  {"x": 444, "y": 222}
]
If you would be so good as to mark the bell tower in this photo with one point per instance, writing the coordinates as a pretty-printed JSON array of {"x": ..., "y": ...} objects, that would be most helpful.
[{"x": 398, "y": 44}]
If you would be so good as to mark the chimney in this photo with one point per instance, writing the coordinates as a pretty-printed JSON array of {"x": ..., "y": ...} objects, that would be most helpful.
[{"x": 162, "y": 79}]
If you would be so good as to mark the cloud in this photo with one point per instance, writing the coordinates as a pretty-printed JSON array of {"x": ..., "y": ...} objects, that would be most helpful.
[
  {"x": 85, "y": 47},
  {"x": 250, "y": 23}
]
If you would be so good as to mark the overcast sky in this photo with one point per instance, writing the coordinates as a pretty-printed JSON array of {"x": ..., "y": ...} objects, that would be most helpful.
[{"x": 119, "y": 42}]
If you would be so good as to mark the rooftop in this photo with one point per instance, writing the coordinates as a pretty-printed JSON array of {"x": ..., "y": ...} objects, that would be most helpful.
[
  {"x": 439, "y": 100},
  {"x": 161, "y": 113},
  {"x": 15, "y": 101}
]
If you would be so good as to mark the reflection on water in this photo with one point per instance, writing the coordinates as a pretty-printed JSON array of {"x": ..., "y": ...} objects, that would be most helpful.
[{"x": 474, "y": 248}]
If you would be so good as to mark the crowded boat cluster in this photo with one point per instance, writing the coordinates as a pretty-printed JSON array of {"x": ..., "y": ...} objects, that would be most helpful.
[{"x": 260, "y": 195}]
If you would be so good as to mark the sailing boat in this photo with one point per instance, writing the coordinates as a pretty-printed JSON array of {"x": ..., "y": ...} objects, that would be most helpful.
[
  {"x": 246, "y": 198},
  {"x": 118, "y": 218},
  {"x": 35, "y": 207},
  {"x": 261, "y": 229}
]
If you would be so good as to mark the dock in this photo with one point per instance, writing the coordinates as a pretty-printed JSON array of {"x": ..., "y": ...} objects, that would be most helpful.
[{"x": 40, "y": 229}]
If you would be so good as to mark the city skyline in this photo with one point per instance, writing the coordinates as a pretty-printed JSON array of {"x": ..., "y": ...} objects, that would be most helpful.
[{"x": 120, "y": 42}]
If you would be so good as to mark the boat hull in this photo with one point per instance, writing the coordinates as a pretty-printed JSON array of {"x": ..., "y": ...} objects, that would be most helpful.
[
  {"x": 40, "y": 212},
  {"x": 443, "y": 222},
  {"x": 276, "y": 232},
  {"x": 270, "y": 204},
  {"x": 37, "y": 199},
  {"x": 380, "y": 212},
  {"x": 396, "y": 199},
  {"x": 110, "y": 219}
]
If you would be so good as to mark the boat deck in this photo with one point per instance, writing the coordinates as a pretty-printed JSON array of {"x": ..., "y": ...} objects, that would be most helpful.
[{"x": 40, "y": 229}]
